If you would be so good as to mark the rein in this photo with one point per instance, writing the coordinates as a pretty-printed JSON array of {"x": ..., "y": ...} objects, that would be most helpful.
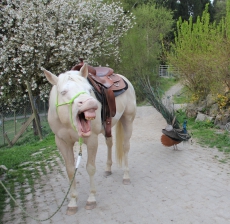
[{"x": 70, "y": 104}]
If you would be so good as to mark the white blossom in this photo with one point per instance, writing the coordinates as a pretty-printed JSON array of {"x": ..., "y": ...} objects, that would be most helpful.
[{"x": 54, "y": 34}]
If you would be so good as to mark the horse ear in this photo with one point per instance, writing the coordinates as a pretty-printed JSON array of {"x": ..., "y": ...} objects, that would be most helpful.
[
  {"x": 84, "y": 70},
  {"x": 53, "y": 79}
]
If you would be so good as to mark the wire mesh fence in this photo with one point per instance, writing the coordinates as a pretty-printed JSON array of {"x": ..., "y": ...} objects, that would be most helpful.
[{"x": 12, "y": 121}]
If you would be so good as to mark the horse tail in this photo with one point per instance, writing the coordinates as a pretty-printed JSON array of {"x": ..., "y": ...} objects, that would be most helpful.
[{"x": 119, "y": 142}]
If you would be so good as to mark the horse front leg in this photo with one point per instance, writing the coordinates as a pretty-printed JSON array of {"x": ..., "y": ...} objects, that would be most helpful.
[
  {"x": 92, "y": 145},
  {"x": 109, "y": 143},
  {"x": 68, "y": 156}
]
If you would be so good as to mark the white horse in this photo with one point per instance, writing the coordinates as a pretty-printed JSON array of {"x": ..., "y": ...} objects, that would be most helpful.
[{"x": 75, "y": 112}]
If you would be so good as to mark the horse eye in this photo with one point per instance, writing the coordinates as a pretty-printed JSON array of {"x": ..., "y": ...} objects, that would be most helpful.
[{"x": 63, "y": 92}]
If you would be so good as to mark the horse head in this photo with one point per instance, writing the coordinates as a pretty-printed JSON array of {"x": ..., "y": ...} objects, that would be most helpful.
[{"x": 74, "y": 104}]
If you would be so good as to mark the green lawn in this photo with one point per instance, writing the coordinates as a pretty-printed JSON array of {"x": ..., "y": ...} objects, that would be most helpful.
[
  {"x": 182, "y": 97},
  {"x": 23, "y": 162}
]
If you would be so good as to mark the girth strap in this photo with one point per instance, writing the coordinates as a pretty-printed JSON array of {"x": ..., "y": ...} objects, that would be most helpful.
[
  {"x": 106, "y": 113},
  {"x": 111, "y": 101}
]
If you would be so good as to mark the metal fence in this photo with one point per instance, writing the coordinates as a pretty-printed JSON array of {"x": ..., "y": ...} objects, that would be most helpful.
[
  {"x": 11, "y": 122},
  {"x": 168, "y": 71}
]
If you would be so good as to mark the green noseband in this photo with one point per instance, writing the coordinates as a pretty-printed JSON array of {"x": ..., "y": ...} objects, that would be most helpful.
[
  {"x": 70, "y": 107},
  {"x": 71, "y": 101}
]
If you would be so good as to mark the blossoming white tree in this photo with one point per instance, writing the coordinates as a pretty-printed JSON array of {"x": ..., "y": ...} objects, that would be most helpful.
[{"x": 53, "y": 34}]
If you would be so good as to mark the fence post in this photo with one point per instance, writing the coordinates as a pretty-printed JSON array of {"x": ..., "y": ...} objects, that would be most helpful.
[
  {"x": 15, "y": 131},
  {"x": 3, "y": 128},
  {"x": 24, "y": 114},
  {"x": 45, "y": 110},
  {"x": 34, "y": 110}
]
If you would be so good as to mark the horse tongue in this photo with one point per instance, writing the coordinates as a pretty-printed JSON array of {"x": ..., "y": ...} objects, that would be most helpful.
[
  {"x": 90, "y": 113},
  {"x": 85, "y": 126}
]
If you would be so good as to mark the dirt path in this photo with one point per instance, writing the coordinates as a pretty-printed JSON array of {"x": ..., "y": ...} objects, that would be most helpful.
[
  {"x": 174, "y": 89},
  {"x": 182, "y": 187}
]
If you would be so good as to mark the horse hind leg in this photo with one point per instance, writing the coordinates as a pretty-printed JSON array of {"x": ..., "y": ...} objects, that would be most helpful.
[
  {"x": 123, "y": 135},
  {"x": 109, "y": 143}
]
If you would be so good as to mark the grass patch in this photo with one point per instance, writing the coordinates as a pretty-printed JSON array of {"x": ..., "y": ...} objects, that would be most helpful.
[
  {"x": 26, "y": 162},
  {"x": 182, "y": 97},
  {"x": 18, "y": 154},
  {"x": 206, "y": 133}
]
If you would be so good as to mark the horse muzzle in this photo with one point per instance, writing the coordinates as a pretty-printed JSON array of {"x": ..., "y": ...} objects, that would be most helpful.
[
  {"x": 88, "y": 107},
  {"x": 86, "y": 112}
]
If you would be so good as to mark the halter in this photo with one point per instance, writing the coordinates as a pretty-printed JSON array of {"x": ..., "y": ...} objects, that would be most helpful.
[{"x": 70, "y": 104}]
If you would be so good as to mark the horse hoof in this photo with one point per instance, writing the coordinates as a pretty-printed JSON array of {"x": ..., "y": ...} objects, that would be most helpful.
[
  {"x": 126, "y": 181},
  {"x": 107, "y": 173},
  {"x": 90, "y": 205},
  {"x": 71, "y": 210}
]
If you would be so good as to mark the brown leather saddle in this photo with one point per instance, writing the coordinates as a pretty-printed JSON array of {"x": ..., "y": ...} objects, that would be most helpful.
[{"x": 106, "y": 85}]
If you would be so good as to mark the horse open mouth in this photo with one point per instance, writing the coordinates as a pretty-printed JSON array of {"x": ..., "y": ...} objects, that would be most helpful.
[{"x": 84, "y": 122}]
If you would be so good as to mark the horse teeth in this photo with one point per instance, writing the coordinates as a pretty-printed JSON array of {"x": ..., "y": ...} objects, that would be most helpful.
[{"x": 89, "y": 118}]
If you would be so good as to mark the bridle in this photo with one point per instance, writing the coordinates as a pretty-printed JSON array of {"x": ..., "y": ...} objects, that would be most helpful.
[{"x": 70, "y": 106}]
